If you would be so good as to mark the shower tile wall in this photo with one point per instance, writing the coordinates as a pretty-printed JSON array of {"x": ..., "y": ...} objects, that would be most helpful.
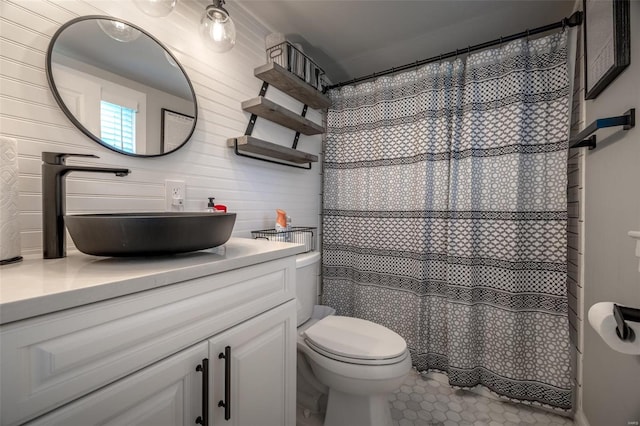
[{"x": 423, "y": 401}]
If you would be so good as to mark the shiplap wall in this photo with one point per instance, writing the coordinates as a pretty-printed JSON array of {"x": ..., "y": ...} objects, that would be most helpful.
[
  {"x": 253, "y": 189},
  {"x": 575, "y": 228}
]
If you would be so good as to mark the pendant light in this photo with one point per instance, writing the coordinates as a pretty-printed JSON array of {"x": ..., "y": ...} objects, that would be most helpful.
[
  {"x": 118, "y": 31},
  {"x": 156, "y": 8},
  {"x": 217, "y": 28}
]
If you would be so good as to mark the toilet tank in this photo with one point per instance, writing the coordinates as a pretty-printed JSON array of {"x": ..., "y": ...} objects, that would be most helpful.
[{"x": 307, "y": 278}]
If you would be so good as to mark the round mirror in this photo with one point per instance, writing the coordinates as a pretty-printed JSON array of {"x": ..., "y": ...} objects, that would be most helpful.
[{"x": 121, "y": 86}]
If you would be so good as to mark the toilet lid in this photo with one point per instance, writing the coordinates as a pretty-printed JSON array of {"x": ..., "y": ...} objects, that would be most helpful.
[{"x": 355, "y": 338}]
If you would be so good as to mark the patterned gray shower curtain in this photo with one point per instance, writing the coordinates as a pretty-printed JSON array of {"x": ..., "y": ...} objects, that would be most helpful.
[{"x": 445, "y": 215}]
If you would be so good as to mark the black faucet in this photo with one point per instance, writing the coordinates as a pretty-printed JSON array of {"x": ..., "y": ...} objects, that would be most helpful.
[{"x": 54, "y": 170}]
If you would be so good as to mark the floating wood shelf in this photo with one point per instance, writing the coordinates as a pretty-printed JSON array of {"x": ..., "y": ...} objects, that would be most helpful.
[
  {"x": 263, "y": 107},
  {"x": 292, "y": 85},
  {"x": 253, "y": 145}
]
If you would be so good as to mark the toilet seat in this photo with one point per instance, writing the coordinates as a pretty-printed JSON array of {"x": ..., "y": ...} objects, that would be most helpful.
[
  {"x": 356, "y": 341},
  {"x": 357, "y": 361}
]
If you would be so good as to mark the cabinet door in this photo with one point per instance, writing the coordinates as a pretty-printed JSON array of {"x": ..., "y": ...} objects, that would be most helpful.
[
  {"x": 168, "y": 393},
  {"x": 259, "y": 373}
]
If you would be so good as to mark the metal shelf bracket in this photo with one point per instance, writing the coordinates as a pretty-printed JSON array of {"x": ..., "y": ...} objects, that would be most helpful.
[
  {"x": 242, "y": 154},
  {"x": 249, "y": 131}
]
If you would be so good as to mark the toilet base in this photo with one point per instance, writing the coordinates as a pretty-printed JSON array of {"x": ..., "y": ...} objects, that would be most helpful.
[{"x": 357, "y": 410}]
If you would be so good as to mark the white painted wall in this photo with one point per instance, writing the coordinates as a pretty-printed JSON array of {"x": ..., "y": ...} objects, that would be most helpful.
[
  {"x": 612, "y": 208},
  {"x": 253, "y": 189}
]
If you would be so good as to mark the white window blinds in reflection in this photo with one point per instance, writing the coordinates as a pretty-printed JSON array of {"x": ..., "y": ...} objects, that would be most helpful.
[{"x": 118, "y": 126}]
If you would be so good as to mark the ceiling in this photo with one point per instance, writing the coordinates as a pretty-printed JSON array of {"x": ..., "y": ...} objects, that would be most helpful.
[{"x": 352, "y": 38}]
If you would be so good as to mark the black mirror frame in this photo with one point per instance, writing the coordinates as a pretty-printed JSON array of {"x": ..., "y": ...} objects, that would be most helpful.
[{"x": 80, "y": 126}]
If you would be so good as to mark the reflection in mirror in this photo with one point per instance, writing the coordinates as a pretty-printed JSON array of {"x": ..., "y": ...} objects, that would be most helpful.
[{"x": 118, "y": 85}]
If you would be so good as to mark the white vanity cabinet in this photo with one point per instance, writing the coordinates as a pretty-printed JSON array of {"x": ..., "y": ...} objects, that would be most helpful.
[
  {"x": 166, "y": 393},
  {"x": 170, "y": 392},
  {"x": 133, "y": 359}
]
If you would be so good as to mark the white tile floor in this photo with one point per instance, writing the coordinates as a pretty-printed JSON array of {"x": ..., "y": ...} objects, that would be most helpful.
[{"x": 423, "y": 401}]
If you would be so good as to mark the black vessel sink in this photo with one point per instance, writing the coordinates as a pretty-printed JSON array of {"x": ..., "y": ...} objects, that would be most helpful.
[{"x": 144, "y": 234}]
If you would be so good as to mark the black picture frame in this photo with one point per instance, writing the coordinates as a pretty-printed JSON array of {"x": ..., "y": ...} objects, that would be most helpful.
[
  {"x": 601, "y": 65},
  {"x": 164, "y": 121}
]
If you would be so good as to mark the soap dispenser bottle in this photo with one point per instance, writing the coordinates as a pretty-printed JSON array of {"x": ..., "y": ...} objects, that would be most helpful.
[
  {"x": 211, "y": 208},
  {"x": 215, "y": 208}
]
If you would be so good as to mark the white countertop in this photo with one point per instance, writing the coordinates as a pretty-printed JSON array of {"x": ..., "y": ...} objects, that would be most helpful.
[{"x": 39, "y": 286}]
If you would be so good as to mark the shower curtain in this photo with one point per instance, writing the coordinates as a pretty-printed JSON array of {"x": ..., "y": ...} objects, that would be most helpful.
[{"x": 444, "y": 215}]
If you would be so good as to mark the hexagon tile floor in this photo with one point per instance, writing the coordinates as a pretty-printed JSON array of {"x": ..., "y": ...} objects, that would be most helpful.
[{"x": 423, "y": 401}]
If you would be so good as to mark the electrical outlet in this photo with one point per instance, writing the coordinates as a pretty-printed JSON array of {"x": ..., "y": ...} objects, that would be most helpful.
[{"x": 175, "y": 195}]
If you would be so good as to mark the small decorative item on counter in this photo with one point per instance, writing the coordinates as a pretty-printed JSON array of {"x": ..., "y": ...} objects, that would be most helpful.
[
  {"x": 281, "y": 220},
  {"x": 283, "y": 225},
  {"x": 215, "y": 208},
  {"x": 211, "y": 207}
]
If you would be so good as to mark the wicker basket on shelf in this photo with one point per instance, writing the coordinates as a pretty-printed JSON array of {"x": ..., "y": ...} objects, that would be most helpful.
[{"x": 295, "y": 61}]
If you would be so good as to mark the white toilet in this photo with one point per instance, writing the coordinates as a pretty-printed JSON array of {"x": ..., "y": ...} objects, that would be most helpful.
[{"x": 356, "y": 361}]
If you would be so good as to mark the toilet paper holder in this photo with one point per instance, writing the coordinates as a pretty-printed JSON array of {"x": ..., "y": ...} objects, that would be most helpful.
[{"x": 623, "y": 314}]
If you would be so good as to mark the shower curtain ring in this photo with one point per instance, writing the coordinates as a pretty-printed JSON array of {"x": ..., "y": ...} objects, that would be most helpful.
[
  {"x": 468, "y": 50},
  {"x": 528, "y": 34}
]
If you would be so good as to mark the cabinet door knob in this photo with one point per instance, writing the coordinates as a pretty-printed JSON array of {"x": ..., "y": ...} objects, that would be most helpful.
[
  {"x": 226, "y": 403},
  {"x": 204, "y": 367}
]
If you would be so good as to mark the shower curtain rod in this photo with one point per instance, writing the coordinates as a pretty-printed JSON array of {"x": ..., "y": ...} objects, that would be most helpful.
[{"x": 572, "y": 21}]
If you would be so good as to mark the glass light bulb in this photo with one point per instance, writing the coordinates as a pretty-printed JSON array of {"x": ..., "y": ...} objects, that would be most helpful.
[
  {"x": 218, "y": 29},
  {"x": 156, "y": 8},
  {"x": 118, "y": 31}
]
